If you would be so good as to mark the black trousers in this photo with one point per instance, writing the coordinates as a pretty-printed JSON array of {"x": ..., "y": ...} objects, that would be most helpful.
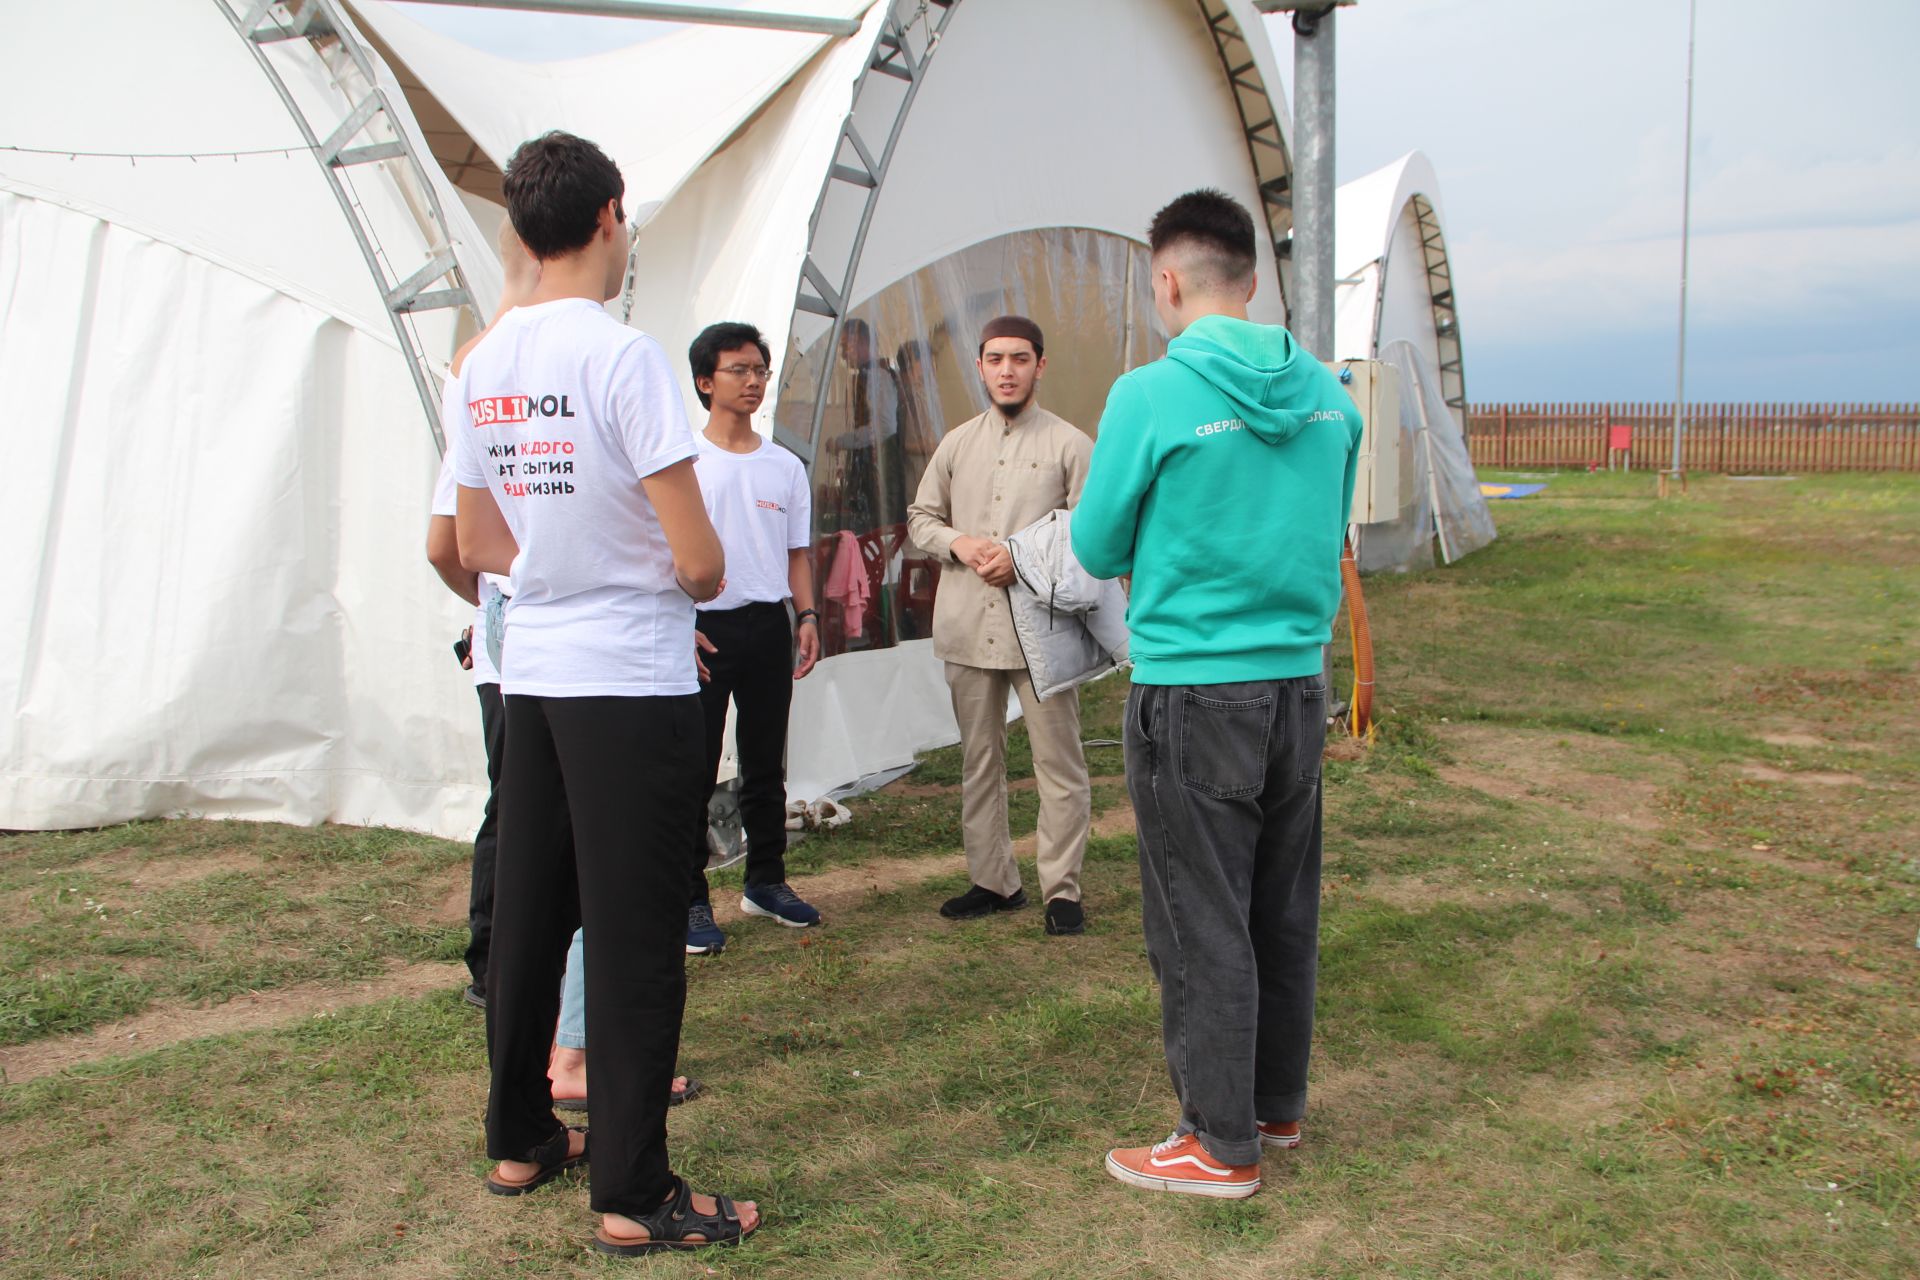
[
  {"x": 596, "y": 809},
  {"x": 754, "y": 667},
  {"x": 493, "y": 727}
]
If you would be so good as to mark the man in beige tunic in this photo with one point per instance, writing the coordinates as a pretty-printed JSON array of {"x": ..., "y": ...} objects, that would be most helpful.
[{"x": 991, "y": 477}]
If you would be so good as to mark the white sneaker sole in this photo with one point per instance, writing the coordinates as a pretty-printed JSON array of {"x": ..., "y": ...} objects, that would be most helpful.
[
  {"x": 1280, "y": 1144},
  {"x": 1184, "y": 1186},
  {"x": 749, "y": 907}
]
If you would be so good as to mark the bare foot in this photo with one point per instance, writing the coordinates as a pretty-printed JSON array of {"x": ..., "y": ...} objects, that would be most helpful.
[
  {"x": 516, "y": 1171},
  {"x": 625, "y": 1230},
  {"x": 565, "y": 1080},
  {"x": 567, "y": 1072}
]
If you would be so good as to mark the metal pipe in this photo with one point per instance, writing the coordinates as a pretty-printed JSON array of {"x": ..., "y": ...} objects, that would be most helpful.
[
  {"x": 810, "y": 24},
  {"x": 1313, "y": 103},
  {"x": 1686, "y": 225}
]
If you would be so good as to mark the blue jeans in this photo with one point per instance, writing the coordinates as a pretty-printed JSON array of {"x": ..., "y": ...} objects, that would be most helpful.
[{"x": 573, "y": 996}]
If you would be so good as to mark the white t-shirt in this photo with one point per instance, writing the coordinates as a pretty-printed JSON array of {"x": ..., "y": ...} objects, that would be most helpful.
[
  {"x": 761, "y": 507},
  {"x": 562, "y": 411},
  {"x": 446, "y": 502}
]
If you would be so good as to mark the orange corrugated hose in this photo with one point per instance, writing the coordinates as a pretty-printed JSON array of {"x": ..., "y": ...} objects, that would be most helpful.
[{"x": 1360, "y": 716}]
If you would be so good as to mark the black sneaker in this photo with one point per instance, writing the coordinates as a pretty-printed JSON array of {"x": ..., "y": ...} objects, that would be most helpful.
[
  {"x": 474, "y": 996},
  {"x": 977, "y": 902},
  {"x": 1065, "y": 917}
]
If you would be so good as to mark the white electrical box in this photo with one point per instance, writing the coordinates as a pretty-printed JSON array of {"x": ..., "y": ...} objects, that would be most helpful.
[{"x": 1385, "y": 467}]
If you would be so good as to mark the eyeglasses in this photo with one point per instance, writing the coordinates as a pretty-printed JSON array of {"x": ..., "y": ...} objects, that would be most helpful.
[{"x": 759, "y": 371}]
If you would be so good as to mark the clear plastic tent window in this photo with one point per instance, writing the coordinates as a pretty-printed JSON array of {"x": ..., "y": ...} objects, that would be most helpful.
[{"x": 903, "y": 374}]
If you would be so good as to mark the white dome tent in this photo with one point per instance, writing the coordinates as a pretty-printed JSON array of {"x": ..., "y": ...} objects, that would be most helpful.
[
  {"x": 228, "y": 611},
  {"x": 1394, "y": 301}
]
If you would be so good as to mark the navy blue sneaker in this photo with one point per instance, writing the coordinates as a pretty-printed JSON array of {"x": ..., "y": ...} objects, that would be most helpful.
[
  {"x": 703, "y": 935},
  {"x": 778, "y": 902}
]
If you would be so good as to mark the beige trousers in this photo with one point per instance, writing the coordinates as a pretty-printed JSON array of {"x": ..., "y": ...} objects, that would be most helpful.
[{"x": 1059, "y": 770}]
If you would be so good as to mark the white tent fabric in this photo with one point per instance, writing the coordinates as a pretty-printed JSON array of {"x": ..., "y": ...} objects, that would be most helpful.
[
  {"x": 1008, "y": 134},
  {"x": 214, "y": 614},
  {"x": 268, "y": 216},
  {"x": 730, "y": 243},
  {"x": 659, "y": 107},
  {"x": 211, "y": 615}
]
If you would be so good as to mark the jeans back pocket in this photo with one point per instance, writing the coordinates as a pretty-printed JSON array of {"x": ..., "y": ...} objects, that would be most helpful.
[
  {"x": 1223, "y": 744},
  {"x": 1313, "y": 730}
]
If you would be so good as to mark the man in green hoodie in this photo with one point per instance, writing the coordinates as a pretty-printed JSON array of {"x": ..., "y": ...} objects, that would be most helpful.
[{"x": 1221, "y": 479}]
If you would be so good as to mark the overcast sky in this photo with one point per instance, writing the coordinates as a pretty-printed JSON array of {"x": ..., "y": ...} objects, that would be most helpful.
[{"x": 1556, "y": 127}]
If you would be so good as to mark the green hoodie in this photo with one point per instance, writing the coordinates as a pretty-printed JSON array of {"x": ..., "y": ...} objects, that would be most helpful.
[{"x": 1221, "y": 480}]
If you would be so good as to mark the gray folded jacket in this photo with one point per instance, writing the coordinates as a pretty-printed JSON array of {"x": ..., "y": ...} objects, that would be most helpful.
[{"x": 1072, "y": 626}]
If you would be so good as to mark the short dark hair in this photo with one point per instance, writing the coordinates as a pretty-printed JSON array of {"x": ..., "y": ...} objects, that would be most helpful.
[
  {"x": 1013, "y": 327},
  {"x": 855, "y": 327},
  {"x": 556, "y": 185},
  {"x": 1215, "y": 223},
  {"x": 913, "y": 351},
  {"x": 704, "y": 354}
]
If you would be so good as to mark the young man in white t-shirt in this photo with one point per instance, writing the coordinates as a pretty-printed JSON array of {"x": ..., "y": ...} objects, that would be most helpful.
[
  {"x": 480, "y": 590},
  {"x": 757, "y": 495},
  {"x": 575, "y": 464}
]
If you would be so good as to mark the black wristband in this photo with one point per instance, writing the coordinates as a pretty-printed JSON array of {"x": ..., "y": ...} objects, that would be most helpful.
[{"x": 804, "y": 614}]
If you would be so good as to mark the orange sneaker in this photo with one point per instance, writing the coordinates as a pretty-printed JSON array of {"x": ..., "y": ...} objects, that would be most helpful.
[
  {"x": 1182, "y": 1164},
  {"x": 1284, "y": 1134}
]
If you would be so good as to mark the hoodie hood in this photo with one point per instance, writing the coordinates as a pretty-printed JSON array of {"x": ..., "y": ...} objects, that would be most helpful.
[{"x": 1273, "y": 381}]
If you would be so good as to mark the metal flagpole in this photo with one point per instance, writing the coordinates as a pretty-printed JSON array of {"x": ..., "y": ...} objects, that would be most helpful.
[
  {"x": 1686, "y": 226},
  {"x": 1313, "y": 177}
]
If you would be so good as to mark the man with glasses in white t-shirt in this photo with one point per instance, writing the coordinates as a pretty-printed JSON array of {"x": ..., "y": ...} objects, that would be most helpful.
[
  {"x": 758, "y": 498},
  {"x": 574, "y": 459}
]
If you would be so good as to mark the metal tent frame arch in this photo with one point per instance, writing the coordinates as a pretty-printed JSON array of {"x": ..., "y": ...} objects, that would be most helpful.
[
  {"x": 908, "y": 38},
  {"x": 366, "y": 132},
  {"x": 1446, "y": 315}
]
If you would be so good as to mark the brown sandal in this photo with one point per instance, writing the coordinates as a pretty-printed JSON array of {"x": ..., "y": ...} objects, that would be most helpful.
[{"x": 553, "y": 1160}]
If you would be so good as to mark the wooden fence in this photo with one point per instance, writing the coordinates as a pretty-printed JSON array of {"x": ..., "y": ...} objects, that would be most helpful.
[{"x": 1737, "y": 439}]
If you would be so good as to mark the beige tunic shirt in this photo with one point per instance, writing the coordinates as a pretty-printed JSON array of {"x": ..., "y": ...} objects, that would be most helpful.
[{"x": 990, "y": 478}]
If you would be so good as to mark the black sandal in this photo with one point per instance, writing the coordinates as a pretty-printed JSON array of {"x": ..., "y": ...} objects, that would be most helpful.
[
  {"x": 669, "y": 1226},
  {"x": 553, "y": 1160}
]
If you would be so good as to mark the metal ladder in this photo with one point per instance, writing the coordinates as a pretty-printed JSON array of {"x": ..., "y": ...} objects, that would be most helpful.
[{"x": 366, "y": 132}]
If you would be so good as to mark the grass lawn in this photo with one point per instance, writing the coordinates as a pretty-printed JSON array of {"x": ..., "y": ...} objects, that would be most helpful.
[{"x": 1618, "y": 978}]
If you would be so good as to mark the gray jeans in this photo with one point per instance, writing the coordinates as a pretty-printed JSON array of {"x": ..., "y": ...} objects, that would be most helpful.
[{"x": 1225, "y": 781}]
